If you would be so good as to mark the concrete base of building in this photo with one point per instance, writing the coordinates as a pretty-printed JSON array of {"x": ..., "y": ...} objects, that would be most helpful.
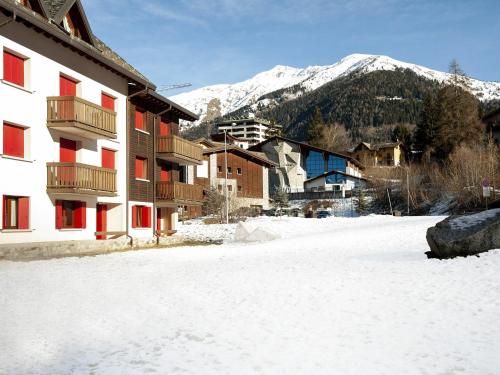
[{"x": 61, "y": 249}]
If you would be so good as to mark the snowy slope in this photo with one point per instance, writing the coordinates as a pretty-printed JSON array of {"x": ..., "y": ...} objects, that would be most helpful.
[
  {"x": 235, "y": 96},
  {"x": 332, "y": 296}
]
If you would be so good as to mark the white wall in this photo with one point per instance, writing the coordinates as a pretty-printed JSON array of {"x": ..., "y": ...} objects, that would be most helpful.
[{"x": 28, "y": 108}]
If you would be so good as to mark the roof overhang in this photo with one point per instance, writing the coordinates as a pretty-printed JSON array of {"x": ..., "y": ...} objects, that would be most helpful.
[
  {"x": 159, "y": 104},
  {"x": 50, "y": 29}
]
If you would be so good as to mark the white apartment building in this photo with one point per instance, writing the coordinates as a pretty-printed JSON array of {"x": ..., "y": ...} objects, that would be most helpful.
[
  {"x": 248, "y": 131},
  {"x": 63, "y": 154}
]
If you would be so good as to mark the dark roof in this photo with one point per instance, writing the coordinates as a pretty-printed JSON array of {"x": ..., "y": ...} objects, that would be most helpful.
[
  {"x": 491, "y": 114},
  {"x": 98, "y": 51},
  {"x": 376, "y": 147},
  {"x": 158, "y": 104},
  {"x": 258, "y": 147},
  {"x": 336, "y": 172},
  {"x": 259, "y": 156}
]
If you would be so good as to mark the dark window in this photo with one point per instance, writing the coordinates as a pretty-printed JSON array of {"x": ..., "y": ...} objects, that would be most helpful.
[
  {"x": 15, "y": 212},
  {"x": 71, "y": 214},
  {"x": 230, "y": 187},
  {"x": 229, "y": 170},
  {"x": 239, "y": 188},
  {"x": 315, "y": 164},
  {"x": 238, "y": 170},
  {"x": 219, "y": 169}
]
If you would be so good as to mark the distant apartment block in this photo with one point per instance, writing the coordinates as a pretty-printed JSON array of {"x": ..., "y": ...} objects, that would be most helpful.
[{"x": 249, "y": 131}]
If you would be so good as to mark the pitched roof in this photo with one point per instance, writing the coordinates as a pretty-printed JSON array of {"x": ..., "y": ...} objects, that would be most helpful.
[
  {"x": 98, "y": 51},
  {"x": 305, "y": 145},
  {"x": 259, "y": 156},
  {"x": 376, "y": 147},
  {"x": 336, "y": 172}
]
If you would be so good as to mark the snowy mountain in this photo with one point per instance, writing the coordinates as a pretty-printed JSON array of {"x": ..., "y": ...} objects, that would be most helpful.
[{"x": 231, "y": 97}]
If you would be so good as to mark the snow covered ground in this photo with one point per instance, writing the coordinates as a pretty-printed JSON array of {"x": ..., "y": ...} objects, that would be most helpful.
[{"x": 332, "y": 296}]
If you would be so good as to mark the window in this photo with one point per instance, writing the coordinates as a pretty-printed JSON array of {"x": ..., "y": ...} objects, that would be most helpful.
[
  {"x": 139, "y": 119},
  {"x": 239, "y": 188},
  {"x": 71, "y": 214},
  {"x": 108, "y": 158},
  {"x": 219, "y": 169},
  {"x": 230, "y": 187},
  {"x": 238, "y": 171},
  {"x": 219, "y": 187},
  {"x": 107, "y": 101},
  {"x": 67, "y": 86},
  {"x": 15, "y": 212},
  {"x": 141, "y": 168},
  {"x": 315, "y": 164},
  {"x": 229, "y": 170},
  {"x": 141, "y": 217},
  {"x": 13, "y": 140},
  {"x": 13, "y": 68}
]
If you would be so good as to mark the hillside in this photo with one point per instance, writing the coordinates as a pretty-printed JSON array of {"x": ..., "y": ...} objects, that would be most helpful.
[{"x": 282, "y": 83}]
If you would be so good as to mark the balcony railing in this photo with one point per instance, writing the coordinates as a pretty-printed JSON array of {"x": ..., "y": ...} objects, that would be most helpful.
[
  {"x": 80, "y": 116},
  {"x": 179, "y": 150},
  {"x": 80, "y": 179},
  {"x": 179, "y": 192}
]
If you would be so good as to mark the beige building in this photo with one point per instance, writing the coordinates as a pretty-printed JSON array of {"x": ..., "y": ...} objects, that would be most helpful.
[{"x": 378, "y": 155}]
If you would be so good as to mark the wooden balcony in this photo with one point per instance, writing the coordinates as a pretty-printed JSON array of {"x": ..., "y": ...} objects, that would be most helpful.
[
  {"x": 78, "y": 116},
  {"x": 76, "y": 178},
  {"x": 179, "y": 150},
  {"x": 179, "y": 193}
]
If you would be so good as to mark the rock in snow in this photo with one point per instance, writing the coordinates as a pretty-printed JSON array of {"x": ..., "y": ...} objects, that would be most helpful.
[{"x": 465, "y": 235}]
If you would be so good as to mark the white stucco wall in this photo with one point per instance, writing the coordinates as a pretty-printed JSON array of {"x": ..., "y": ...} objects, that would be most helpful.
[{"x": 28, "y": 108}]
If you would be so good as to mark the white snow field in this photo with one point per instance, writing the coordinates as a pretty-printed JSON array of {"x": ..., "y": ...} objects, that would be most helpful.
[{"x": 332, "y": 296}]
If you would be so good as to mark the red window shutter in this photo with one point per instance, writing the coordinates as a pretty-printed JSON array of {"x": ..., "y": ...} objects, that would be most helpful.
[
  {"x": 13, "y": 68},
  {"x": 108, "y": 101},
  {"x": 67, "y": 151},
  {"x": 83, "y": 215},
  {"x": 24, "y": 213},
  {"x": 164, "y": 128},
  {"x": 139, "y": 119},
  {"x": 134, "y": 216},
  {"x": 67, "y": 87},
  {"x": 13, "y": 140},
  {"x": 108, "y": 158},
  {"x": 164, "y": 175},
  {"x": 59, "y": 215},
  {"x": 146, "y": 217}
]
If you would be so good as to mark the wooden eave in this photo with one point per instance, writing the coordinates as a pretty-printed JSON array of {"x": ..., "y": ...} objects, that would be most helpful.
[
  {"x": 51, "y": 30},
  {"x": 157, "y": 103}
]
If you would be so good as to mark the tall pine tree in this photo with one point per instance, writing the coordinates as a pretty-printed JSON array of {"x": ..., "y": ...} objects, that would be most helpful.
[{"x": 316, "y": 126}]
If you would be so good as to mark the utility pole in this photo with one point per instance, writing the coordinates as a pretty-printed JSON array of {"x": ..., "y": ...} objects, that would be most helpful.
[
  {"x": 408, "y": 188},
  {"x": 225, "y": 180}
]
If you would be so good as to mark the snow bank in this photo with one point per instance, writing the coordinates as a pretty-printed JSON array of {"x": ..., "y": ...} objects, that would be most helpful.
[{"x": 246, "y": 232}]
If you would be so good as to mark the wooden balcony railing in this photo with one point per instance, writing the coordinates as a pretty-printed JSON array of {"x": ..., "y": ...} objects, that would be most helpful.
[
  {"x": 178, "y": 191},
  {"x": 76, "y": 114},
  {"x": 80, "y": 179},
  {"x": 179, "y": 149}
]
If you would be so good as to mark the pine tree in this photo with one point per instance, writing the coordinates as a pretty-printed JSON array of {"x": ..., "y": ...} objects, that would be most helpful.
[
  {"x": 360, "y": 202},
  {"x": 316, "y": 128},
  {"x": 280, "y": 199}
]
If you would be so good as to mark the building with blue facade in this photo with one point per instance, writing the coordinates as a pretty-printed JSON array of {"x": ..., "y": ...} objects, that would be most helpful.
[{"x": 303, "y": 167}]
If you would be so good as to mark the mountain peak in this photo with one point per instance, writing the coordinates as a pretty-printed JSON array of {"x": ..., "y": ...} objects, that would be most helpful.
[{"x": 248, "y": 93}]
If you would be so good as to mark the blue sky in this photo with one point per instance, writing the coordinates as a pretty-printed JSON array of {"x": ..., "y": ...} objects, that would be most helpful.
[{"x": 207, "y": 42}]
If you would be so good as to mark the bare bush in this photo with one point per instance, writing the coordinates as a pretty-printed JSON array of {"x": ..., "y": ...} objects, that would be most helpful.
[{"x": 419, "y": 186}]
